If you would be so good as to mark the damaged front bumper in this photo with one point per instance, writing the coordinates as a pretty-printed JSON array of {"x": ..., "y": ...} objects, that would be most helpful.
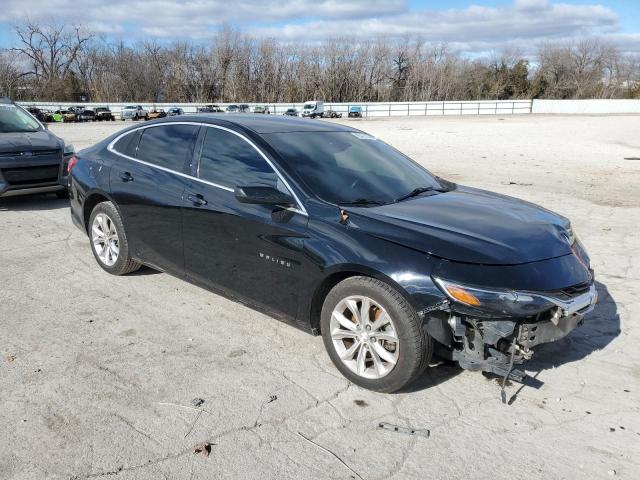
[{"x": 494, "y": 345}]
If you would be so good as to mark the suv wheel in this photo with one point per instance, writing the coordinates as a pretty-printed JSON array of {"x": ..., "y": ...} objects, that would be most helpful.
[
  {"x": 373, "y": 335},
  {"x": 109, "y": 240}
]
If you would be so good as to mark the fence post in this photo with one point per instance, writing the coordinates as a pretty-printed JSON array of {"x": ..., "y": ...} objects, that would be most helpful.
[
  {"x": 460, "y": 108},
  {"x": 389, "y": 109},
  {"x": 513, "y": 107},
  {"x": 408, "y": 109},
  {"x": 366, "y": 110}
]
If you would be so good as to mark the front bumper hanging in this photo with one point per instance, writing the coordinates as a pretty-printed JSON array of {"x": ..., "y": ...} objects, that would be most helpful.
[{"x": 488, "y": 345}]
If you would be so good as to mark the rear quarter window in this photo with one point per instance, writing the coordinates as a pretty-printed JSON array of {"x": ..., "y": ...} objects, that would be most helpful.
[{"x": 128, "y": 144}]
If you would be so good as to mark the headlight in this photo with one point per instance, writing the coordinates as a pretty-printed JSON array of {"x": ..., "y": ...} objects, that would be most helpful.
[
  {"x": 569, "y": 234},
  {"x": 68, "y": 149},
  {"x": 495, "y": 301}
]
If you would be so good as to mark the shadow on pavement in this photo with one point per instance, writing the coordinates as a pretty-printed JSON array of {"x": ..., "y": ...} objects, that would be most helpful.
[
  {"x": 433, "y": 377},
  {"x": 43, "y": 201},
  {"x": 599, "y": 329}
]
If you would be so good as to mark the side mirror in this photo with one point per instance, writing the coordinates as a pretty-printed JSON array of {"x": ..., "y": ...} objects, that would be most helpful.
[{"x": 263, "y": 196}]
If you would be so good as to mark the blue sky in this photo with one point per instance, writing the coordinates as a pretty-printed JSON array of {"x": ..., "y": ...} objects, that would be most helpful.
[{"x": 474, "y": 27}]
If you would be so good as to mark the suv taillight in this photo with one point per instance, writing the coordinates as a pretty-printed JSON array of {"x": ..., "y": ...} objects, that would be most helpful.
[{"x": 72, "y": 163}]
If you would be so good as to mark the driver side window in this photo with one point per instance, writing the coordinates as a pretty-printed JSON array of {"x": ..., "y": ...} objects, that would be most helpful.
[{"x": 230, "y": 161}]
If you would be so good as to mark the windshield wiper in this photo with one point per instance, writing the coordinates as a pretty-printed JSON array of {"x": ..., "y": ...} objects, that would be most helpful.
[
  {"x": 415, "y": 192},
  {"x": 360, "y": 201}
]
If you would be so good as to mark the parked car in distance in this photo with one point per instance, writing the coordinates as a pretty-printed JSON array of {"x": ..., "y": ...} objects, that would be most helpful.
[
  {"x": 104, "y": 114},
  {"x": 355, "y": 112},
  {"x": 85, "y": 115},
  {"x": 210, "y": 109},
  {"x": 291, "y": 112},
  {"x": 156, "y": 113},
  {"x": 57, "y": 116},
  {"x": 41, "y": 115},
  {"x": 172, "y": 112},
  {"x": 389, "y": 263},
  {"x": 331, "y": 114},
  {"x": 66, "y": 115},
  {"x": 32, "y": 159},
  {"x": 261, "y": 109},
  {"x": 134, "y": 112},
  {"x": 242, "y": 108},
  {"x": 313, "y": 109}
]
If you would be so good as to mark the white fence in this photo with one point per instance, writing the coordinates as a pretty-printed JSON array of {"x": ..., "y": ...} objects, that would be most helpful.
[
  {"x": 369, "y": 109},
  {"x": 397, "y": 109}
]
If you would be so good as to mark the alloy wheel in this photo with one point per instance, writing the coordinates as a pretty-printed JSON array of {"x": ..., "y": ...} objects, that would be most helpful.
[
  {"x": 364, "y": 337},
  {"x": 105, "y": 239}
]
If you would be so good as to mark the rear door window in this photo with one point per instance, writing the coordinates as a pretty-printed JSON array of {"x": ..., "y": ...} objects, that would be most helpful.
[{"x": 168, "y": 146}]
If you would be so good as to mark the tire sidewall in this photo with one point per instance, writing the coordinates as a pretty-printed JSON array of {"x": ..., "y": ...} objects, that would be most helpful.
[
  {"x": 123, "y": 255},
  {"x": 400, "y": 311}
]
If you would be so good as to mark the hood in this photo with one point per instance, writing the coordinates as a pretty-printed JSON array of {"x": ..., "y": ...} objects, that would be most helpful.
[
  {"x": 469, "y": 225},
  {"x": 28, "y": 141}
]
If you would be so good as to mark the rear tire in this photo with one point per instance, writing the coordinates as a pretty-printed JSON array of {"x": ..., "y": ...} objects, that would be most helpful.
[
  {"x": 109, "y": 241},
  {"x": 382, "y": 346}
]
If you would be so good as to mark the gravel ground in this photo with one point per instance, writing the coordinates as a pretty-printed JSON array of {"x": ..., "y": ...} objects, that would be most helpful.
[{"x": 98, "y": 373}]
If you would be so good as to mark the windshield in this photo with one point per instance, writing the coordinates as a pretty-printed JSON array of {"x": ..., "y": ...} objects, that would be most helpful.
[
  {"x": 356, "y": 109},
  {"x": 130, "y": 107},
  {"x": 309, "y": 106},
  {"x": 14, "y": 119},
  {"x": 350, "y": 167}
]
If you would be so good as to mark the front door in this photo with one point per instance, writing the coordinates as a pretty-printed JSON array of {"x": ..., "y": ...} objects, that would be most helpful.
[{"x": 249, "y": 251}]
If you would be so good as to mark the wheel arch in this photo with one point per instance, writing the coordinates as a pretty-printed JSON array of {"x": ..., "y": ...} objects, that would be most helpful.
[
  {"x": 91, "y": 200},
  {"x": 336, "y": 275}
]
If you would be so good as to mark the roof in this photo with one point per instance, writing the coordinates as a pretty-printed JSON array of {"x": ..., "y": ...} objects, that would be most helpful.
[{"x": 269, "y": 123}]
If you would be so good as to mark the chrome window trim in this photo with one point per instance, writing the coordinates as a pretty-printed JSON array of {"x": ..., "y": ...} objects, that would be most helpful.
[{"x": 300, "y": 208}]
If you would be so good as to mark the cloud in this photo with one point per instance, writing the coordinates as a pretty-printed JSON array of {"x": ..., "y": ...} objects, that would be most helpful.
[
  {"x": 472, "y": 29},
  {"x": 193, "y": 12}
]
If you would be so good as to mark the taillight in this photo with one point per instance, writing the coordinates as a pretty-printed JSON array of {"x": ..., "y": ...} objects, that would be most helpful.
[{"x": 72, "y": 163}]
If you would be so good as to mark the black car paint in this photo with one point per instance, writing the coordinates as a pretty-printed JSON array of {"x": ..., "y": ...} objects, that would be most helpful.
[{"x": 284, "y": 261}]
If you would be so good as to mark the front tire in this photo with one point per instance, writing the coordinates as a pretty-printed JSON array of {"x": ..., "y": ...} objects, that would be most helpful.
[
  {"x": 373, "y": 335},
  {"x": 109, "y": 241}
]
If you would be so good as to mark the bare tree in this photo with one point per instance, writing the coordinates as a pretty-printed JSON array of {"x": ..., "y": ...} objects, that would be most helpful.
[
  {"x": 58, "y": 62},
  {"x": 51, "y": 49}
]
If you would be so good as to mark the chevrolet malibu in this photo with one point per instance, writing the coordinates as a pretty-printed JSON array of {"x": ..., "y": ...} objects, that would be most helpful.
[{"x": 336, "y": 232}]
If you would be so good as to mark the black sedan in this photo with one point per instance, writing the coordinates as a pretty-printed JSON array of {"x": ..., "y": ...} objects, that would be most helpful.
[{"x": 335, "y": 231}]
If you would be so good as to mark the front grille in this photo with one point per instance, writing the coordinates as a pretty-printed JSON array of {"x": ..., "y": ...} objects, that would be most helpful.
[
  {"x": 31, "y": 175},
  {"x": 27, "y": 154},
  {"x": 572, "y": 292}
]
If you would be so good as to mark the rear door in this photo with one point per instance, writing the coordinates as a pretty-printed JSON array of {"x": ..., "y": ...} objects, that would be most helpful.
[
  {"x": 250, "y": 251},
  {"x": 148, "y": 184}
]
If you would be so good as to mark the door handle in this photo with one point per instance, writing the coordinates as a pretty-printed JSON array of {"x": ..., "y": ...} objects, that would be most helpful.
[
  {"x": 197, "y": 199},
  {"x": 126, "y": 177}
]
